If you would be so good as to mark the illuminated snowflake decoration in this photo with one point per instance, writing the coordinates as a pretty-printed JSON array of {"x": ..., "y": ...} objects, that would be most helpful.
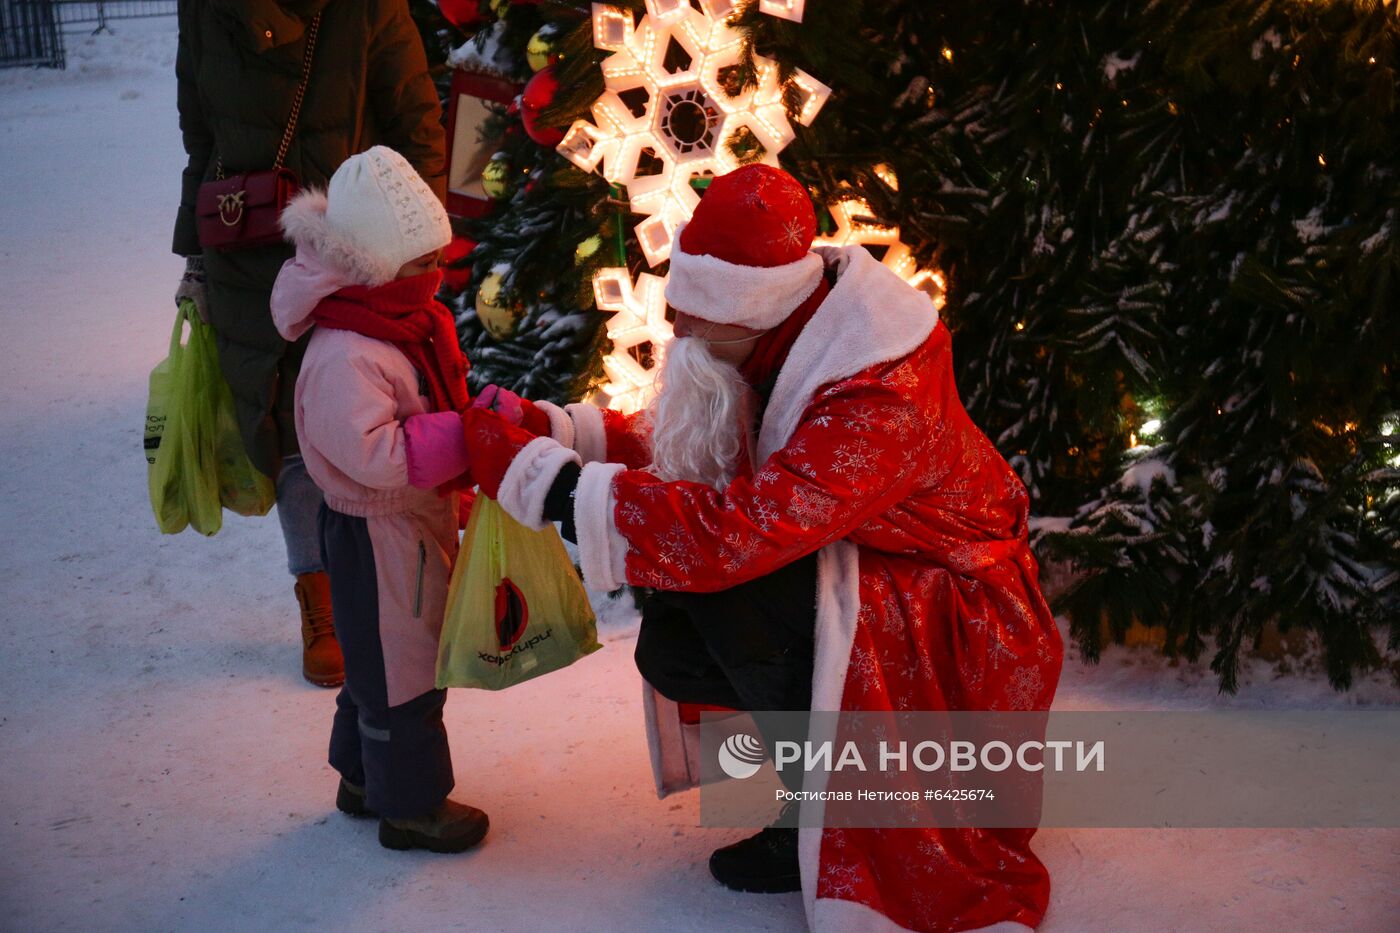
[
  {"x": 783, "y": 9},
  {"x": 855, "y": 224},
  {"x": 638, "y": 328},
  {"x": 666, "y": 115}
]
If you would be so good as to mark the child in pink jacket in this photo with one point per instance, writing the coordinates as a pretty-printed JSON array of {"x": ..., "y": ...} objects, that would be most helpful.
[{"x": 377, "y": 416}]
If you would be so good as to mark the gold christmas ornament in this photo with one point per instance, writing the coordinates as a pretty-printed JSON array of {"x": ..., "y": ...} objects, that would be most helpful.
[
  {"x": 498, "y": 314},
  {"x": 538, "y": 51},
  {"x": 496, "y": 176},
  {"x": 587, "y": 249}
]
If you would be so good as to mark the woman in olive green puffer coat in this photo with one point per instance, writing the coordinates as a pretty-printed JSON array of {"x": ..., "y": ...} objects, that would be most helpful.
[{"x": 239, "y": 64}]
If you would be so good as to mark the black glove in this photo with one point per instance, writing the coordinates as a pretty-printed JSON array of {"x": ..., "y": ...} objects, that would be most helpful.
[{"x": 192, "y": 286}]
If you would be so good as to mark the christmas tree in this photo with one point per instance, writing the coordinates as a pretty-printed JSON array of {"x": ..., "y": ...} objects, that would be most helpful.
[
  {"x": 528, "y": 321},
  {"x": 1168, "y": 233}
]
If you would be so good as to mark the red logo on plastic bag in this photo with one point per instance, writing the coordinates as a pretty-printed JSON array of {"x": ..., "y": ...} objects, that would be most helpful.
[{"x": 512, "y": 614}]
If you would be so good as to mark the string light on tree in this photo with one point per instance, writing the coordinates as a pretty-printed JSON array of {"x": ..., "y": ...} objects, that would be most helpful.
[
  {"x": 637, "y": 324},
  {"x": 666, "y": 115},
  {"x": 587, "y": 249},
  {"x": 1149, "y": 432},
  {"x": 1389, "y": 428}
]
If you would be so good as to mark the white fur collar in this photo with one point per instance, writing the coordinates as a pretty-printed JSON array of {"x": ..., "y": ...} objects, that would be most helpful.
[
  {"x": 871, "y": 316},
  {"x": 305, "y": 224}
]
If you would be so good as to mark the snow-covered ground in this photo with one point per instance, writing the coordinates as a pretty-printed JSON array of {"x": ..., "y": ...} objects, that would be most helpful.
[{"x": 162, "y": 762}]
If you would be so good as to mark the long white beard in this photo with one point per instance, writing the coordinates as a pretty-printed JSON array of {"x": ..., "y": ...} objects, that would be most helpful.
[{"x": 697, "y": 415}]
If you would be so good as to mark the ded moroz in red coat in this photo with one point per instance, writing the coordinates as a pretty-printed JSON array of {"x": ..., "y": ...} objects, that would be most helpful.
[{"x": 928, "y": 595}]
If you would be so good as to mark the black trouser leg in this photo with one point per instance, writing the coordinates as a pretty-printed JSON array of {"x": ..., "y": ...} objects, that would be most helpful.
[
  {"x": 749, "y": 647},
  {"x": 346, "y": 755},
  {"x": 399, "y": 753}
]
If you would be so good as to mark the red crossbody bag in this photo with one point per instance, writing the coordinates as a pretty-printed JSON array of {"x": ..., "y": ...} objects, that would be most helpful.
[{"x": 242, "y": 211}]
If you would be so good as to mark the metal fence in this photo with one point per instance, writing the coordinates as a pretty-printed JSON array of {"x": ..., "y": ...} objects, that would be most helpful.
[
  {"x": 84, "y": 12},
  {"x": 31, "y": 31},
  {"x": 29, "y": 34}
]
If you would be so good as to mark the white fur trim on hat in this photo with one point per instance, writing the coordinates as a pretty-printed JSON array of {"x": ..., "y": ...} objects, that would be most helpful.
[
  {"x": 304, "y": 223},
  {"x": 722, "y": 292},
  {"x": 376, "y": 215}
]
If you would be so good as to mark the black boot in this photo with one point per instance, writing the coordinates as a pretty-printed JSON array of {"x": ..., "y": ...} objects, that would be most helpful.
[
  {"x": 350, "y": 798},
  {"x": 452, "y": 827},
  {"x": 765, "y": 863}
]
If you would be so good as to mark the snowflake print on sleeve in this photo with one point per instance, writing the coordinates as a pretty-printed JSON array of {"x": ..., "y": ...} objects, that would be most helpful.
[
  {"x": 810, "y": 508},
  {"x": 676, "y": 548},
  {"x": 855, "y": 461},
  {"x": 1024, "y": 689},
  {"x": 840, "y": 468}
]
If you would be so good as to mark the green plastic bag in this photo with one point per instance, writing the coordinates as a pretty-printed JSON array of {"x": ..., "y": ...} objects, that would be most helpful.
[
  {"x": 195, "y": 461},
  {"x": 243, "y": 488},
  {"x": 515, "y": 607}
]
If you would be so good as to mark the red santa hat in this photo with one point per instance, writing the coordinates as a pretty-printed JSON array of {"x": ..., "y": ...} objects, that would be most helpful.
[{"x": 745, "y": 256}]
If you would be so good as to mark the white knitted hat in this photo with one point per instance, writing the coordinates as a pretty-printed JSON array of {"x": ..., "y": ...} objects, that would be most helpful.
[{"x": 383, "y": 208}]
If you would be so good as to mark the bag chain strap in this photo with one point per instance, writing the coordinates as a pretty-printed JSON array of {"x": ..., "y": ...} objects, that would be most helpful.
[{"x": 300, "y": 95}]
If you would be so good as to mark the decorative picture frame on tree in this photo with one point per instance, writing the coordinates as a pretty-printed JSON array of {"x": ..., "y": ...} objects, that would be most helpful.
[{"x": 469, "y": 146}]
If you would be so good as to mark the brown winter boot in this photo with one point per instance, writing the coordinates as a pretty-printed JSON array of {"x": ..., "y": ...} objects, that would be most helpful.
[{"x": 321, "y": 662}]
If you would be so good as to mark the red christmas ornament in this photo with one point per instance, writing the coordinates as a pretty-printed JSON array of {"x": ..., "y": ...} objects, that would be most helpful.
[
  {"x": 461, "y": 13},
  {"x": 457, "y": 279},
  {"x": 538, "y": 94}
]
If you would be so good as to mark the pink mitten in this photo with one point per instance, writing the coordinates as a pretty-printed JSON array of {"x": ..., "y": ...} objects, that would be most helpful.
[
  {"x": 518, "y": 411},
  {"x": 436, "y": 448},
  {"x": 503, "y": 402}
]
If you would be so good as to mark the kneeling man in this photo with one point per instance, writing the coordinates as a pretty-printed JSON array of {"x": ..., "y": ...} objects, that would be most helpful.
[{"x": 822, "y": 527}]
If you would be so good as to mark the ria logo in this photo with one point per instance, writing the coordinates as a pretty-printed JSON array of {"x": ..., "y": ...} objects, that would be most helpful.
[{"x": 741, "y": 755}]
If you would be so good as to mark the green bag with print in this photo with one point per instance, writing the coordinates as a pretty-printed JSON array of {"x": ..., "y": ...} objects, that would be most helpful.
[{"x": 515, "y": 606}]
